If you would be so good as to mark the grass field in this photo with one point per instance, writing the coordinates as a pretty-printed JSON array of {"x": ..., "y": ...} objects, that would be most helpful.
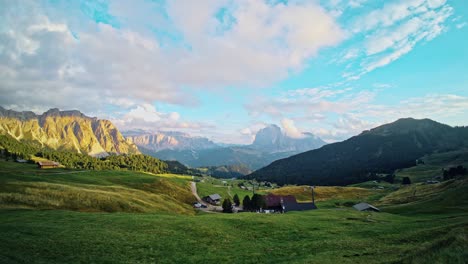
[
  {"x": 26, "y": 186},
  {"x": 211, "y": 185},
  {"x": 321, "y": 236},
  {"x": 433, "y": 165},
  {"x": 154, "y": 223}
]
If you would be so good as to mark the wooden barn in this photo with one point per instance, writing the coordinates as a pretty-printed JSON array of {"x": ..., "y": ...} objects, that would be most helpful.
[
  {"x": 212, "y": 199},
  {"x": 47, "y": 164}
]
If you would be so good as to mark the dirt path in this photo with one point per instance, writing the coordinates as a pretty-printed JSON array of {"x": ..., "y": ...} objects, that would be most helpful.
[
  {"x": 193, "y": 187},
  {"x": 209, "y": 208}
]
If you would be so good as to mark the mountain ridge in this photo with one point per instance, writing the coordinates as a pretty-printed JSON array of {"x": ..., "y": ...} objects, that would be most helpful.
[
  {"x": 380, "y": 150},
  {"x": 270, "y": 144},
  {"x": 67, "y": 130}
]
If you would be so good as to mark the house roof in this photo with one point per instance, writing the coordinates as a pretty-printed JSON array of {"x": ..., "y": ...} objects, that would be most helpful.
[
  {"x": 295, "y": 206},
  {"x": 365, "y": 206},
  {"x": 215, "y": 196},
  {"x": 273, "y": 200},
  {"x": 48, "y": 163}
]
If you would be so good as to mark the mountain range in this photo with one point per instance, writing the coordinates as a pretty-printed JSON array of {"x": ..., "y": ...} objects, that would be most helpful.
[
  {"x": 66, "y": 130},
  {"x": 380, "y": 150},
  {"x": 168, "y": 140},
  {"x": 270, "y": 144}
]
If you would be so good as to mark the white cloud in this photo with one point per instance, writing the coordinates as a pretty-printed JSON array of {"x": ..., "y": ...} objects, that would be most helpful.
[
  {"x": 312, "y": 103},
  {"x": 146, "y": 117},
  {"x": 394, "y": 30},
  {"x": 290, "y": 128},
  {"x": 50, "y": 58}
]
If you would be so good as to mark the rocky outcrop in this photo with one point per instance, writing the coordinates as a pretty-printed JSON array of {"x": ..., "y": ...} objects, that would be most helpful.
[{"x": 66, "y": 130}]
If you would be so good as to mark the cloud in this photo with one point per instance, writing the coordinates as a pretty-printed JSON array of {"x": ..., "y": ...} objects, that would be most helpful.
[
  {"x": 309, "y": 103},
  {"x": 185, "y": 46},
  {"x": 290, "y": 128},
  {"x": 146, "y": 117},
  {"x": 393, "y": 31}
]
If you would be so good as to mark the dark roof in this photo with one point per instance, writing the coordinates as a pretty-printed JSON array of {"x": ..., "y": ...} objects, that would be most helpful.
[
  {"x": 294, "y": 206},
  {"x": 273, "y": 200},
  {"x": 365, "y": 207},
  {"x": 215, "y": 196}
]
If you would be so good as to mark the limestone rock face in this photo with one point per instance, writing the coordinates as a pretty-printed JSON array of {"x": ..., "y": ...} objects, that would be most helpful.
[
  {"x": 66, "y": 130},
  {"x": 169, "y": 140}
]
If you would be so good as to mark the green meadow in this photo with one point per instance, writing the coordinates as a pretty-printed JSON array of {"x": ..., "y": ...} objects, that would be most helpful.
[{"x": 67, "y": 216}]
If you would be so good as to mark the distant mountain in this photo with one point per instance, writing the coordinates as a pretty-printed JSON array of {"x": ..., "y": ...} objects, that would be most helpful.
[
  {"x": 66, "y": 130},
  {"x": 271, "y": 139},
  {"x": 226, "y": 171},
  {"x": 270, "y": 144},
  {"x": 168, "y": 140},
  {"x": 379, "y": 150}
]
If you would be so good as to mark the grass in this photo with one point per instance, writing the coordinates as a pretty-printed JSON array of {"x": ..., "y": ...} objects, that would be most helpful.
[
  {"x": 433, "y": 165},
  {"x": 25, "y": 186},
  {"x": 445, "y": 197},
  {"x": 152, "y": 221},
  {"x": 211, "y": 185},
  {"x": 321, "y": 236}
]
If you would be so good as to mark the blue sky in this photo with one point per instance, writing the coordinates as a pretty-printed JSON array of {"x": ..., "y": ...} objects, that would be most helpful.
[{"x": 225, "y": 69}]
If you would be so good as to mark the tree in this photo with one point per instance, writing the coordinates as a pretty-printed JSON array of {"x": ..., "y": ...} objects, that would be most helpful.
[
  {"x": 406, "y": 180},
  {"x": 227, "y": 206},
  {"x": 258, "y": 201},
  {"x": 236, "y": 200},
  {"x": 247, "y": 203}
]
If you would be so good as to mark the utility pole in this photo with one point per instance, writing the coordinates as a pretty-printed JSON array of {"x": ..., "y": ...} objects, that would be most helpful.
[
  {"x": 313, "y": 195},
  {"x": 253, "y": 187}
]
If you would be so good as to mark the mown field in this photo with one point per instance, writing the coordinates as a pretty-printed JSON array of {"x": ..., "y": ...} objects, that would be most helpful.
[{"x": 143, "y": 229}]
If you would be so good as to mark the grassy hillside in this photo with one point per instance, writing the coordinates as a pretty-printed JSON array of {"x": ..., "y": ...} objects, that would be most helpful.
[
  {"x": 445, "y": 197},
  {"x": 212, "y": 185},
  {"x": 381, "y": 150},
  {"x": 152, "y": 222},
  {"x": 321, "y": 236},
  {"x": 434, "y": 164},
  {"x": 23, "y": 185}
]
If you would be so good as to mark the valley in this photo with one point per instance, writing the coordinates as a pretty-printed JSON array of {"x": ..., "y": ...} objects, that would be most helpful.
[
  {"x": 123, "y": 216},
  {"x": 131, "y": 207}
]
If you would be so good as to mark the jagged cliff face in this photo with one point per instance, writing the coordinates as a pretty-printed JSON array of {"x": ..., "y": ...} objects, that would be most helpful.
[
  {"x": 67, "y": 130},
  {"x": 169, "y": 140}
]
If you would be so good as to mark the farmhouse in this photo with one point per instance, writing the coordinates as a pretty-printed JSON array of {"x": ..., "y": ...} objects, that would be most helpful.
[
  {"x": 365, "y": 207},
  {"x": 286, "y": 203},
  {"x": 274, "y": 202},
  {"x": 212, "y": 198},
  {"x": 47, "y": 164},
  {"x": 295, "y": 206}
]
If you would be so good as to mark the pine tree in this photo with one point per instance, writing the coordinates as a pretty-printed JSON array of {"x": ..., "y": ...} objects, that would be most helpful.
[
  {"x": 246, "y": 203},
  {"x": 257, "y": 202},
  {"x": 227, "y": 206},
  {"x": 236, "y": 200}
]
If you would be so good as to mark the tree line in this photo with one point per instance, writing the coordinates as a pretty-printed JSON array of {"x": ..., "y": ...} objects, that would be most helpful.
[
  {"x": 24, "y": 149},
  {"x": 249, "y": 204}
]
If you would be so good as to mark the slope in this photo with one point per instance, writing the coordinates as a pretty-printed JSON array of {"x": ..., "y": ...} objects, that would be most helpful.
[
  {"x": 381, "y": 150},
  {"x": 25, "y": 186}
]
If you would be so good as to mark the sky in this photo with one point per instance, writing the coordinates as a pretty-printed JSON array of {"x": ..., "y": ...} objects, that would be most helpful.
[{"x": 225, "y": 69}]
